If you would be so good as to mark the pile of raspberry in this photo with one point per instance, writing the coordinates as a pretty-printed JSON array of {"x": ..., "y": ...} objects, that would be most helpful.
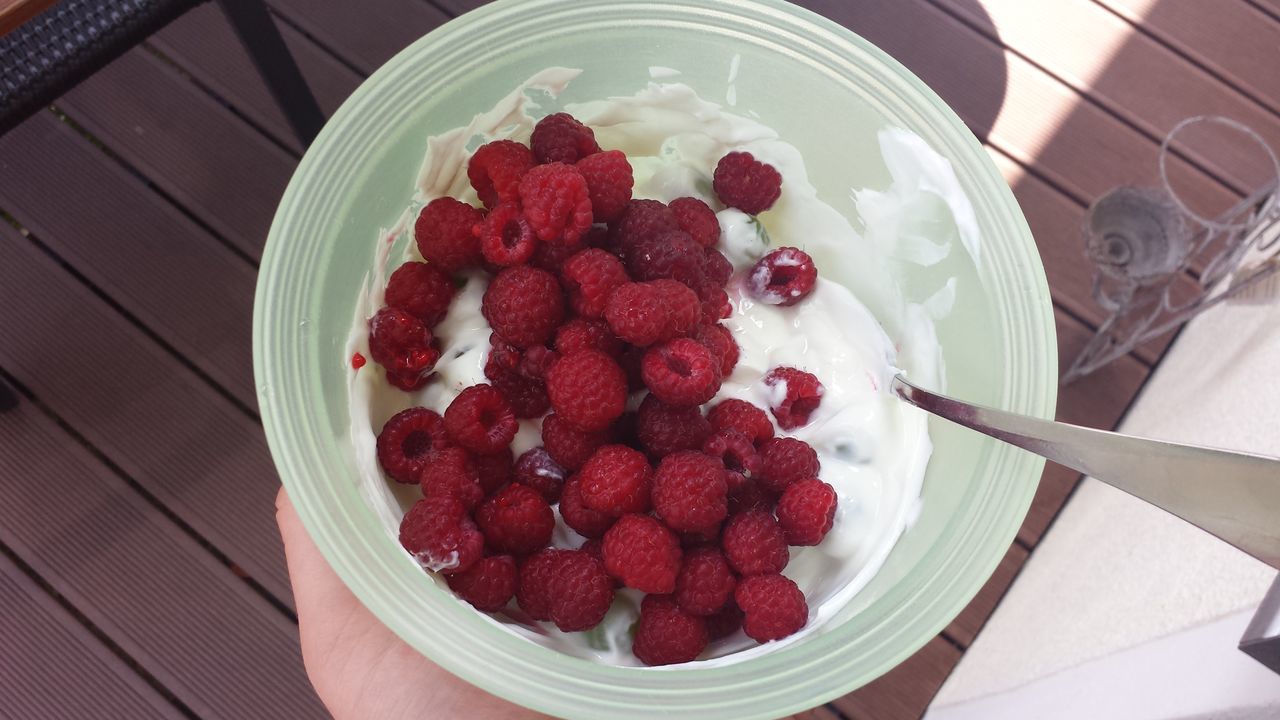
[{"x": 596, "y": 297}]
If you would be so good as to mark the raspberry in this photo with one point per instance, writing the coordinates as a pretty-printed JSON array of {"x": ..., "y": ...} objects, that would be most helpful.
[
  {"x": 783, "y": 277},
  {"x": 726, "y": 622},
  {"x": 488, "y": 585},
  {"x": 590, "y": 276},
  {"x": 527, "y": 396},
  {"x": 495, "y": 170},
  {"x": 689, "y": 491},
  {"x": 449, "y": 471},
  {"x": 506, "y": 238},
  {"x": 800, "y": 394},
  {"x": 806, "y": 511},
  {"x": 742, "y": 416},
  {"x": 421, "y": 290},
  {"x": 773, "y": 607},
  {"x": 671, "y": 255},
  {"x": 536, "y": 362},
  {"x": 555, "y": 202},
  {"x": 745, "y": 183},
  {"x": 715, "y": 303},
  {"x": 580, "y": 334},
  {"x": 753, "y": 543},
  {"x": 581, "y": 519},
  {"x": 746, "y": 494},
  {"x": 716, "y": 266},
  {"x": 400, "y": 343},
  {"x": 560, "y": 138},
  {"x": 444, "y": 237},
  {"x": 588, "y": 389},
  {"x": 698, "y": 219},
  {"x": 552, "y": 257},
  {"x": 516, "y": 520},
  {"x": 643, "y": 553},
  {"x": 666, "y": 635},
  {"x": 533, "y": 587},
  {"x": 406, "y": 441},
  {"x": 609, "y": 181},
  {"x": 682, "y": 306},
  {"x": 717, "y": 338},
  {"x": 593, "y": 547},
  {"x": 638, "y": 313},
  {"x": 439, "y": 534},
  {"x": 705, "y": 582},
  {"x": 735, "y": 450},
  {"x": 662, "y": 429},
  {"x": 480, "y": 419},
  {"x": 580, "y": 592},
  {"x": 785, "y": 460},
  {"x": 524, "y": 305},
  {"x": 569, "y": 446},
  {"x": 616, "y": 481},
  {"x": 536, "y": 469},
  {"x": 494, "y": 469},
  {"x": 680, "y": 372},
  {"x": 641, "y": 219}
]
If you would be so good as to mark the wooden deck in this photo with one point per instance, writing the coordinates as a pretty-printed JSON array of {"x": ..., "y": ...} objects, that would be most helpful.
[{"x": 140, "y": 568}]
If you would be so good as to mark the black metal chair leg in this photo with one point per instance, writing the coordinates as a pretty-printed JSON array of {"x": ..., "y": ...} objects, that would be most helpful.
[{"x": 258, "y": 34}]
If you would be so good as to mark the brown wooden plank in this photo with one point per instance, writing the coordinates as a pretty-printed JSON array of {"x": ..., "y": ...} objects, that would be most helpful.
[
  {"x": 187, "y": 620},
  {"x": 56, "y": 668},
  {"x": 197, "y": 453},
  {"x": 15, "y": 12},
  {"x": 822, "y": 712},
  {"x": 365, "y": 34},
  {"x": 965, "y": 627},
  {"x": 457, "y": 7},
  {"x": 904, "y": 692}
]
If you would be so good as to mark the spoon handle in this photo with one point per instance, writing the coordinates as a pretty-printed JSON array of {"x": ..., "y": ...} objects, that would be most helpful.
[{"x": 1234, "y": 496}]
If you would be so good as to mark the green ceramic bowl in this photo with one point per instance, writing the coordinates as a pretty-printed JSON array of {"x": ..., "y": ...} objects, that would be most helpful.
[{"x": 823, "y": 89}]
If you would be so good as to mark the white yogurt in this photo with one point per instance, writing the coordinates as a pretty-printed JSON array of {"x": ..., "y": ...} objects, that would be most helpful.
[{"x": 873, "y": 448}]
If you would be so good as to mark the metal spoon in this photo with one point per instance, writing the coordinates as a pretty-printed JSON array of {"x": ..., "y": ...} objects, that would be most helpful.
[{"x": 1232, "y": 495}]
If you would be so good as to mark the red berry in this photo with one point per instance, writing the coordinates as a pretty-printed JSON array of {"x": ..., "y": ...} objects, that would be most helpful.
[
  {"x": 357, "y": 361},
  {"x": 643, "y": 553},
  {"x": 593, "y": 547},
  {"x": 449, "y": 471},
  {"x": 524, "y": 306},
  {"x": 717, "y": 267},
  {"x": 705, "y": 582},
  {"x": 747, "y": 494},
  {"x": 506, "y": 238},
  {"x": 569, "y": 446},
  {"x": 587, "y": 389},
  {"x": 560, "y": 138},
  {"x": 698, "y": 219},
  {"x": 555, "y": 202},
  {"x": 516, "y": 520},
  {"x": 480, "y": 419},
  {"x": 590, "y": 277},
  {"x": 680, "y": 372},
  {"x": 753, "y": 543},
  {"x": 443, "y": 233},
  {"x": 745, "y": 183},
  {"x": 440, "y": 535},
  {"x": 666, "y": 635},
  {"x": 672, "y": 255},
  {"x": 580, "y": 334},
  {"x": 488, "y": 584},
  {"x": 527, "y": 396},
  {"x": 682, "y": 307},
  {"x": 715, "y": 302},
  {"x": 726, "y": 622},
  {"x": 636, "y": 312},
  {"x": 742, "y": 416},
  {"x": 406, "y": 441},
  {"x": 552, "y": 257},
  {"x": 422, "y": 290},
  {"x": 495, "y": 170},
  {"x": 773, "y": 607},
  {"x": 723, "y": 347},
  {"x": 616, "y": 481},
  {"x": 783, "y": 277},
  {"x": 536, "y": 469},
  {"x": 801, "y": 394},
  {"x": 400, "y": 343},
  {"x": 609, "y": 181},
  {"x": 735, "y": 450},
  {"x": 533, "y": 587},
  {"x": 536, "y": 362},
  {"x": 785, "y": 460},
  {"x": 580, "y": 592},
  {"x": 580, "y": 518},
  {"x": 806, "y": 511},
  {"x": 494, "y": 469},
  {"x": 689, "y": 491},
  {"x": 662, "y": 429},
  {"x": 641, "y": 219}
]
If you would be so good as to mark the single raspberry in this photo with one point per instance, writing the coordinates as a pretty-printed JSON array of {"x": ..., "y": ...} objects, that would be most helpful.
[
  {"x": 527, "y": 396},
  {"x": 715, "y": 303},
  {"x": 800, "y": 394},
  {"x": 560, "y": 138},
  {"x": 424, "y": 291},
  {"x": 590, "y": 277},
  {"x": 444, "y": 237},
  {"x": 506, "y": 238},
  {"x": 783, "y": 277},
  {"x": 641, "y": 219},
  {"x": 580, "y": 592},
  {"x": 784, "y": 460},
  {"x": 726, "y": 622},
  {"x": 495, "y": 169},
  {"x": 735, "y": 450},
  {"x": 616, "y": 481},
  {"x": 581, "y": 334},
  {"x": 450, "y": 471},
  {"x": 662, "y": 429},
  {"x": 745, "y": 183},
  {"x": 609, "y": 181},
  {"x": 533, "y": 587},
  {"x": 488, "y": 584},
  {"x": 698, "y": 219},
  {"x": 581, "y": 519},
  {"x": 740, "y": 415},
  {"x": 552, "y": 257},
  {"x": 400, "y": 343},
  {"x": 773, "y": 607},
  {"x": 680, "y": 372},
  {"x": 682, "y": 307},
  {"x": 406, "y": 441},
  {"x": 569, "y": 446},
  {"x": 806, "y": 511},
  {"x": 536, "y": 469},
  {"x": 637, "y": 314},
  {"x": 556, "y": 204},
  {"x": 587, "y": 389},
  {"x": 439, "y": 534},
  {"x": 481, "y": 420},
  {"x": 516, "y": 520},
  {"x": 666, "y": 635},
  {"x": 643, "y": 553},
  {"x": 494, "y": 469},
  {"x": 705, "y": 582},
  {"x": 747, "y": 494},
  {"x": 536, "y": 362},
  {"x": 716, "y": 266},
  {"x": 593, "y": 547},
  {"x": 689, "y": 491},
  {"x": 671, "y": 255},
  {"x": 719, "y": 340},
  {"x": 524, "y": 305},
  {"x": 753, "y": 543}
]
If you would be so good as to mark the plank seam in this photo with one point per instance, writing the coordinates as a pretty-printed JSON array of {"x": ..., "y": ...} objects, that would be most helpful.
[
  {"x": 1263, "y": 9},
  {"x": 281, "y": 14}
]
